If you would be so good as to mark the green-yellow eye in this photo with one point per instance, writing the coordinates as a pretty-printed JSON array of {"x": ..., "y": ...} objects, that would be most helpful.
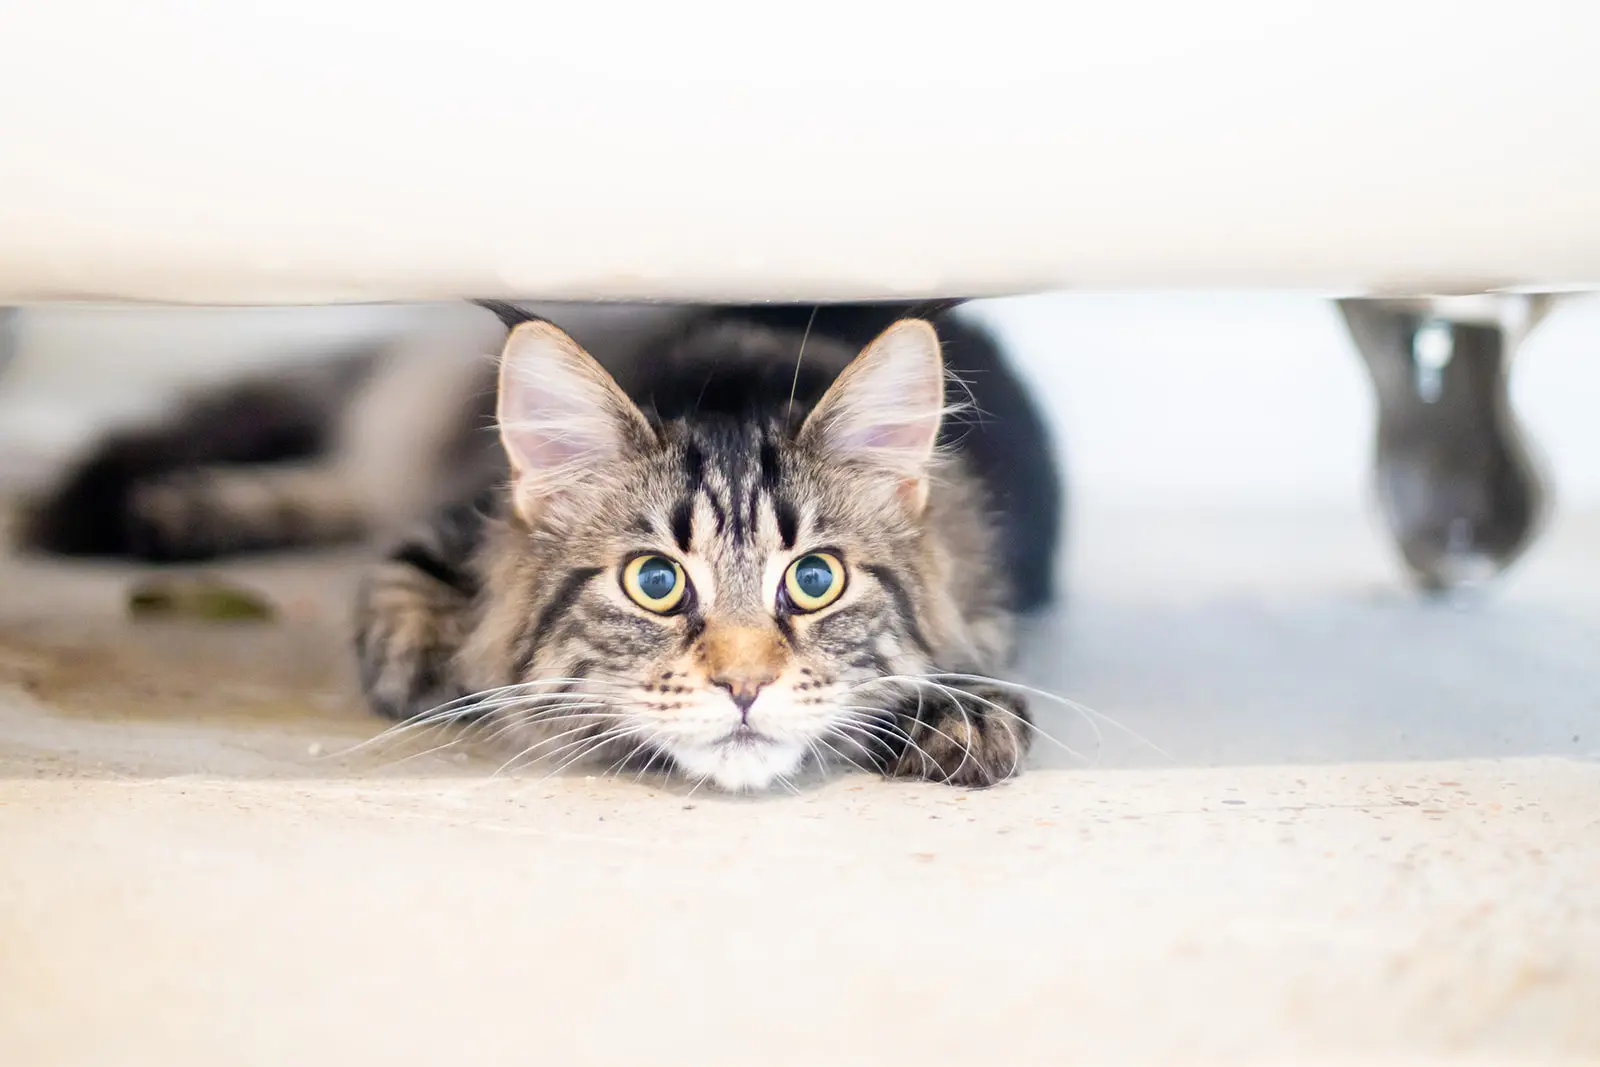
[
  {"x": 814, "y": 581},
  {"x": 655, "y": 583}
]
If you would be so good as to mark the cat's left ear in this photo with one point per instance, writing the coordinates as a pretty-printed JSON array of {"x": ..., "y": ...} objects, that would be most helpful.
[
  {"x": 562, "y": 418},
  {"x": 884, "y": 410}
]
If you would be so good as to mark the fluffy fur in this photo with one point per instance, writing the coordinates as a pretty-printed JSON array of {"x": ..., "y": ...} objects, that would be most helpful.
[
  {"x": 731, "y": 441},
  {"x": 733, "y": 464}
]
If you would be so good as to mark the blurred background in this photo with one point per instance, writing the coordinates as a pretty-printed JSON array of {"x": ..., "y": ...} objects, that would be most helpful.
[{"x": 1184, "y": 399}]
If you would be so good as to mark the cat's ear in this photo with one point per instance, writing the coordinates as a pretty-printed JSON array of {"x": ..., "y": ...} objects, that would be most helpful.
[
  {"x": 884, "y": 410},
  {"x": 562, "y": 417}
]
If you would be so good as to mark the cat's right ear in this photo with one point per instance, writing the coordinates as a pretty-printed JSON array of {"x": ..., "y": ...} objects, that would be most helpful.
[{"x": 562, "y": 417}]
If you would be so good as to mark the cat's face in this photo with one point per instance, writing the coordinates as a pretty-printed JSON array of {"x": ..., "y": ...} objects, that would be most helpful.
[{"x": 723, "y": 588}]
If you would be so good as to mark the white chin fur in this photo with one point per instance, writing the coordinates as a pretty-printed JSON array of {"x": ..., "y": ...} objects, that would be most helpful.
[{"x": 739, "y": 768}]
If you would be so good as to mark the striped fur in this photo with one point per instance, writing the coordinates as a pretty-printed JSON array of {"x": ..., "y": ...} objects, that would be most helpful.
[{"x": 717, "y": 469}]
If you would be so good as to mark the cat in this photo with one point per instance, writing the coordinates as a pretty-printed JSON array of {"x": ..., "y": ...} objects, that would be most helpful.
[
  {"x": 752, "y": 561},
  {"x": 931, "y": 532}
]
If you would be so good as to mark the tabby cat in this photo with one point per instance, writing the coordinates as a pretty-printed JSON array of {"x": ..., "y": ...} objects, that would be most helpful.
[{"x": 759, "y": 543}]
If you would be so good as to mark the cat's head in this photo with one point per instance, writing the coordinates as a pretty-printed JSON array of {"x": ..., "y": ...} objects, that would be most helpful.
[{"x": 722, "y": 587}]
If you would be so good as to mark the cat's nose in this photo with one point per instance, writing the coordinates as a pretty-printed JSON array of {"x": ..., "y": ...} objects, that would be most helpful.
[{"x": 743, "y": 690}]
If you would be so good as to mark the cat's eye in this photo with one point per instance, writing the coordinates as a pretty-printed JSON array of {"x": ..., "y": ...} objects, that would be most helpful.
[
  {"x": 814, "y": 581},
  {"x": 655, "y": 583}
]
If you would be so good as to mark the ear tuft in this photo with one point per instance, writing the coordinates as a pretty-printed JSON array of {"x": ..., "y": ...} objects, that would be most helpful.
[
  {"x": 885, "y": 409},
  {"x": 561, "y": 416}
]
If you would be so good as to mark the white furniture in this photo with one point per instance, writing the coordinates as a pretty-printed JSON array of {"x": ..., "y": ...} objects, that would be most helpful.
[{"x": 345, "y": 150}]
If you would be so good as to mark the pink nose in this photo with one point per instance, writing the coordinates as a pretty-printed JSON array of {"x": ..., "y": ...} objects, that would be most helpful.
[{"x": 743, "y": 691}]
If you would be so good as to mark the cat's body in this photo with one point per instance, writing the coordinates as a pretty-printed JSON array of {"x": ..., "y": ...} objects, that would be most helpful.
[{"x": 715, "y": 461}]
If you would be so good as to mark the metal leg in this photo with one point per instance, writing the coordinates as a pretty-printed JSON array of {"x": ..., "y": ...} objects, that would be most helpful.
[
  {"x": 1458, "y": 486},
  {"x": 8, "y": 336}
]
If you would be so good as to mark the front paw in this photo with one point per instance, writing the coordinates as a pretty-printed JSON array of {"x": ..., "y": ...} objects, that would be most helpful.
[
  {"x": 970, "y": 736},
  {"x": 405, "y": 646}
]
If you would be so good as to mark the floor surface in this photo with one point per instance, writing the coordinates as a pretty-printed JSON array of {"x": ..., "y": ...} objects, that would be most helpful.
[{"x": 1309, "y": 818}]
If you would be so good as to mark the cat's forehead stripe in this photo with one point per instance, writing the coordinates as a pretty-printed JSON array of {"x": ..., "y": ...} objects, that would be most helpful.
[
  {"x": 737, "y": 469},
  {"x": 683, "y": 524}
]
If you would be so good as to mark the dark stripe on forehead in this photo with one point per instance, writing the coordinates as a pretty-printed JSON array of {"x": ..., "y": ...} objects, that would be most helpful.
[
  {"x": 788, "y": 522},
  {"x": 770, "y": 471},
  {"x": 737, "y": 513},
  {"x": 642, "y": 526},
  {"x": 902, "y": 602},
  {"x": 559, "y": 603},
  {"x": 718, "y": 513},
  {"x": 683, "y": 523},
  {"x": 694, "y": 466},
  {"x": 755, "y": 511}
]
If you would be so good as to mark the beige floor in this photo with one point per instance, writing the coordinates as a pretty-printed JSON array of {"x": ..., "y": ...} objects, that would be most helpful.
[{"x": 1374, "y": 835}]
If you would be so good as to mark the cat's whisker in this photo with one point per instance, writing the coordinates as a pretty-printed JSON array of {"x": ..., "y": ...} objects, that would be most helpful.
[
  {"x": 794, "y": 386},
  {"x": 423, "y": 754},
  {"x": 610, "y": 730},
  {"x": 527, "y": 751},
  {"x": 958, "y": 695},
  {"x": 873, "y": 718},
  {"x": 965, "y": 749},
  {"x": 469, "y": 734},
  {"x": 1083, "y": 712},
  {"x": 840, "y": 755},
  {"x": 893, "y": 722},
  {"x": 618, "y": 764},
  {"x": 466, "y": 708},
  {"x": 512, "y": 724},
  {"x": 818, "y": 759},
  {"x": 570, "y": 702},
  {"x": 577, "y": 744},
  {"x": 483, "y": 695},
  {"x": 1083, "y": 709},
  {"x": 607, "y": 729},
  {"x": 590, "y": 745},
  {"x": 651, "y": 762},
  {"x": 890, "y": 732}
]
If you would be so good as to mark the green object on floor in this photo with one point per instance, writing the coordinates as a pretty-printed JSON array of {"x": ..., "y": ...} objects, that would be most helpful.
[{"x": 202, "y": 599}]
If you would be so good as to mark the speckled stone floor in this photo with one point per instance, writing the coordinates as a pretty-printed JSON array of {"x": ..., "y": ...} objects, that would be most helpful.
[{"x": 1309, "y": 818}]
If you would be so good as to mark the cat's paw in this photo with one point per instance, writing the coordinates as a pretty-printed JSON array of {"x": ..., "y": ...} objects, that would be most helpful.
[
  {"x": 968, "y": 736},
  {"x": 406, "y": 637}
]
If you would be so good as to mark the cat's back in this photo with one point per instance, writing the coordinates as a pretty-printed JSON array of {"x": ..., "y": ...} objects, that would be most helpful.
[{"x": 728, "y": 366}]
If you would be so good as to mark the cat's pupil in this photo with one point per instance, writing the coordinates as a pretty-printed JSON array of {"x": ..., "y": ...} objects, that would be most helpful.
[
  {"x": 657, "y": 579},
  {"x": 813, "y": 576}
]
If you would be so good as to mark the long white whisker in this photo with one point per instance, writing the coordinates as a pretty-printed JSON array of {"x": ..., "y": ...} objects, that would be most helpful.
[
  {"x": 598, "y": 742},
  {"x": 530, "y": 749},
  {"x": 466, "y": 707},
  {"x": 957, "y": 694},
  {"x": 794, "y": 386},
  {"x": 1082, "y": 709},
  {"x": 891, "y": 732},
  {"x": 500, "y": 728},
  {"x": 510, "y": 723},
  {"x": 824, "y": 742}
]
